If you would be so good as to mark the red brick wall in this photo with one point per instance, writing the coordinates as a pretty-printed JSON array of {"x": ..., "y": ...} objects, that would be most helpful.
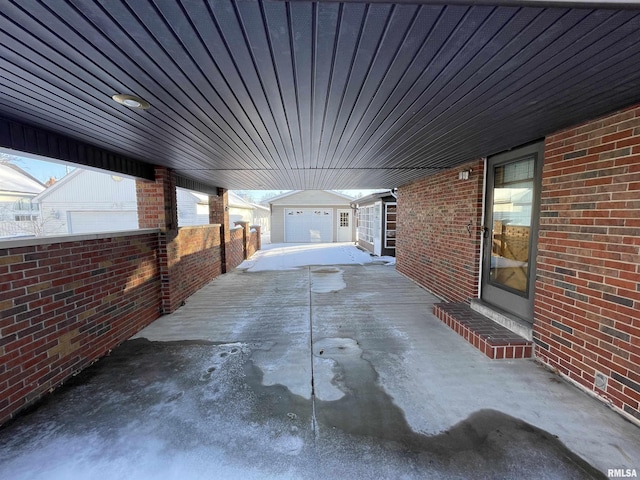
[
  {"x": 587, "y": 308},
  {"x": 64, "y": 305},
  {"x": 193, "y": 261},
  {"x": 235, "y": 248},
  {"x": 433, "y": 245},
  {"x": 188, "y": 257}
]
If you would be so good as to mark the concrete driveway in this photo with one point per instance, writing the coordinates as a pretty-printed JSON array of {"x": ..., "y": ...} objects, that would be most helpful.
[{"x": 313, "y": 372}]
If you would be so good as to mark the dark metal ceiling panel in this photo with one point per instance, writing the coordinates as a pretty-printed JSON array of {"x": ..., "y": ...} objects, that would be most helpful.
[
  {"x": 278, "y": 94},
  {"x": 25, "y": 138}
]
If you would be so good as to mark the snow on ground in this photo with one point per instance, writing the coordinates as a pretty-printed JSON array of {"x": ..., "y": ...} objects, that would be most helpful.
[{"x": 290, "y": 256}]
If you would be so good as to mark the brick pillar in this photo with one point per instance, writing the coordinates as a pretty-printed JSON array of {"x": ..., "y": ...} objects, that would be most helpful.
[
  {"x": 219, "y": 214},
  {"x": 157, "y": 203},
  {"x": 157, "y": 208},
  {"x": 246, "y": 236},
  {"x": 258, "y": 232}
]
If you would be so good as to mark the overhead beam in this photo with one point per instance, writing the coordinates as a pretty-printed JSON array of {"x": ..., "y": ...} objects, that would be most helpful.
[
  {"x": 26, "y": 138},
  {"x": 21, "y": 137}
]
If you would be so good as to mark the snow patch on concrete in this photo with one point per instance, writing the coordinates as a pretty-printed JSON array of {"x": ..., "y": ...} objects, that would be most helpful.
[
  {"x": 323, "y": 379},
  {"x": 291, "y": 256},
  {"x": 281, "y": 365},
  {"x": 327, "y": 280}
]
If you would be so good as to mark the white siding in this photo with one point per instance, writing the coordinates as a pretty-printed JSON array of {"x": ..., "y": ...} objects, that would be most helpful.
[
  {"x": 311, "y": 198},
  {"x": 237, "y": 214},
  {"x": 86, "y": 190},
  {"x": 87, "y": 221},
  {"x": 191, "y": 209},
  {"x": 263, "y": 218}
]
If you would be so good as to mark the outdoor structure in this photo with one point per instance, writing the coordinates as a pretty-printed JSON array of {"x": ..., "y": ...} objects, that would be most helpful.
[
  {"x": 19, "y": 216},
  {"x": 377, "y": 223},
  {"x": 311, "y": 216},
  {"x": 511, "y": 131}
]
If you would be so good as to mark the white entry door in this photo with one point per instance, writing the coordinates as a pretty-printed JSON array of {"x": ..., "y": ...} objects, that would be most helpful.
[
  {"x": 345, "y": 230},
  {"x": 308, "y": 225}
]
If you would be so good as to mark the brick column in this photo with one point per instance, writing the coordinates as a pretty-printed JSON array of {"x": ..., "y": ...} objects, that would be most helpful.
[
  {"x": 157, "y": 208},
  {"x": 157, "y": 203},
  {"x": 219, "y": 213},
  {"x": 246, "y": 236},
  {"x": 258, "y": 228}
]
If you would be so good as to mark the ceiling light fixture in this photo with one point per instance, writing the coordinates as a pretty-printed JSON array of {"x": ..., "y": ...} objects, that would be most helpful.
[{"x": 131, "y": 101}]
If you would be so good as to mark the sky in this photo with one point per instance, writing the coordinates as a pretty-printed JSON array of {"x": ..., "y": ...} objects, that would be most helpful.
[{"x": 42, "y": 170}]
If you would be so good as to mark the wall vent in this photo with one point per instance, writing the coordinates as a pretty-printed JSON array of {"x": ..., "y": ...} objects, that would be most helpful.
[{"x": 601, "y": 381}]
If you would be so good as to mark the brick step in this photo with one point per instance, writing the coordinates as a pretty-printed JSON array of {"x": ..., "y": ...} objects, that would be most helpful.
[{"x": 492, "y": 339}]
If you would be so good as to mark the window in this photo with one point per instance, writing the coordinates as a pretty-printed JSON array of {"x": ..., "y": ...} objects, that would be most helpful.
[
  {"x": 366, "y": 223},
  {"x": 25, "y": 205},
  {"x": 390, "y": 225},
  {"x": 26, "y": 218},
  {"x": 344, "y": 219},
  {"x": 26, "y": 211}
]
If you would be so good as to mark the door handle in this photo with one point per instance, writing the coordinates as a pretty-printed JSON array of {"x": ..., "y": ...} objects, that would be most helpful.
[{"x": 485, "y": 231}]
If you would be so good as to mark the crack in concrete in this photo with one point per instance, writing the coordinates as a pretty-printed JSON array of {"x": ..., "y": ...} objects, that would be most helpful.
[{"x": 314, "y": 425}]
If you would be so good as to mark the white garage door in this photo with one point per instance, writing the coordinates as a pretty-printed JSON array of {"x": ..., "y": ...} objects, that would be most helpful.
[
  {"x": 305, "y": 225},
  {"x": 102, "y": 221}
]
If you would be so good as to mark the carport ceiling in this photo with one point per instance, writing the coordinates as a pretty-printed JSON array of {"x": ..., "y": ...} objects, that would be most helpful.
[{"x": 313, "y": 95}]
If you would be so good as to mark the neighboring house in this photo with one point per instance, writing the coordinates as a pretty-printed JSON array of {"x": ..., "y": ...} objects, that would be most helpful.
[
  {"x": 86, "y": 201},
  {"x": 89, "y": 201},
  {"x": 305, "y": 216},
  {"x": 19, "y": 216},
  {"x": 240, "y": 210},
  {"x": 193, "y": 208},
  {"x": 262, "y": 217},
  {"x": 377, "y": 223}
]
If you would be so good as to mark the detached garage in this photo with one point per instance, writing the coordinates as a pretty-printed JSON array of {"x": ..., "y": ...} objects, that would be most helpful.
[{"x": 311, "y": 216}]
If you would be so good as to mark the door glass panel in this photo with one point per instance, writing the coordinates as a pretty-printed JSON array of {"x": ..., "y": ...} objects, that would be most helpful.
[
  {"x": 390, "y": 225},
  {"x": 512, "y": 209}
]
